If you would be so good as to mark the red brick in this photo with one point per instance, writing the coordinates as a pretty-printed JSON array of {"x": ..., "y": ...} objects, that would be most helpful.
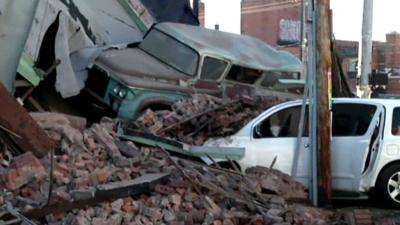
[
  {"x": 103, "y": 175},
  {"x": 217, "y": 222},
  {"x": 188, "y": 206},
  {"x": 23, "y": 170},
  {"x": 82, "y": 182},
  {"x": 175, "y": 199},
  {"x": 164, "y": 189}
]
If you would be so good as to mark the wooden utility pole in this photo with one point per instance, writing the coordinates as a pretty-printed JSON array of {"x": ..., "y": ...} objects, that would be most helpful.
[{"x": 323, "y": 86}]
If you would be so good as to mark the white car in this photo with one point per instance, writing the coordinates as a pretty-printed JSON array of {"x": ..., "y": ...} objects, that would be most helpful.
[{"x": 365, "y": 145}]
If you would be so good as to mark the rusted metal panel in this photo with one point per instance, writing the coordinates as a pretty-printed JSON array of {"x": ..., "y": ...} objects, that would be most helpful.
[{"x": 20, "y": 126}]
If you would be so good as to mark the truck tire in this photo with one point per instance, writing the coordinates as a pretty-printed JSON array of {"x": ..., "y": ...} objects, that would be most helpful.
[{"x": 388, "y": 186}]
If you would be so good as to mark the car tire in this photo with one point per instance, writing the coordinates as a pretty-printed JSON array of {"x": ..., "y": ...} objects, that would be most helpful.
[{"x": 387, "y": 186}]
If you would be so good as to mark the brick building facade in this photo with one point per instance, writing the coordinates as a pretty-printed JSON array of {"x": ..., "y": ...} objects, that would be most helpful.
[
  {"x": 277, "y": 22},
  {"x": 385, "y": 55},
  {"x": 392, "y": 51},
  {"x": 385, "y": 58}
]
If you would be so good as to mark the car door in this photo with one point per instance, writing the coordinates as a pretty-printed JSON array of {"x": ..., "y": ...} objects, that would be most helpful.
[
  {"x": 275, "y": 136},
  {"x": 355, "y": 127}
]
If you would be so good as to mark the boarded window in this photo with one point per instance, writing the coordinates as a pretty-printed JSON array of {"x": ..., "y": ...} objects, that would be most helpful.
[{"x": 212, "y": 68}]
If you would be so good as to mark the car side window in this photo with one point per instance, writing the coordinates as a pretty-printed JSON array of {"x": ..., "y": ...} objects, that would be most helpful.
[
  {"x": 284, "y": 123},
  {"x": 243, "y": 74},
  {"x": 349, "y": 119},
  {"x": 212, "y": 68},
  {"x": 396, "y": 122}
]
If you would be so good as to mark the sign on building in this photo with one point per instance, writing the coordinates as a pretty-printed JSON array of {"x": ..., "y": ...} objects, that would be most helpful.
[{"x": 289, "y": 31}]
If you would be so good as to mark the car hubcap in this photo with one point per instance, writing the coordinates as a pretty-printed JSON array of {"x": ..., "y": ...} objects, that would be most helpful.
[{"x": 394, "y": 187}]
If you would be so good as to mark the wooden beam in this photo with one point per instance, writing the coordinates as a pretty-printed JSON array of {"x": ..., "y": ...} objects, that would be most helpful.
[
  {"x": 323, "y": 77},
  {"x": 26, "y": 133}
]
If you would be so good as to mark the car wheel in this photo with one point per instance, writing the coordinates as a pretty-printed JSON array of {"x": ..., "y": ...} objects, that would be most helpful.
[{"x": 388, "y": 186}]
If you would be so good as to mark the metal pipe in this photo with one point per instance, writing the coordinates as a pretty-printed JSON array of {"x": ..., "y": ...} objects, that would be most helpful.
[
  {"x": 311, "y": 67},
  {"x": 365, "y": 46},
  {"x": 313, "y": 148},
  {"x": 305, "y": 96},
  {"x": 300, "y": 131},
  {"x": 303, "y": 33}
]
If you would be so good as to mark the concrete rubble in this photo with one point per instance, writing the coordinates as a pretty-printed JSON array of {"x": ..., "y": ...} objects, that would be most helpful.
[{"x": 98, "y": 179}]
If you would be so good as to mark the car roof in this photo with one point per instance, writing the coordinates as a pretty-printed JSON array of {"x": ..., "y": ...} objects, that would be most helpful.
[
  {"x": 242, "y": 50},
  {"x": 385, "y": 102},
  {"x": 390, "y": 103}
]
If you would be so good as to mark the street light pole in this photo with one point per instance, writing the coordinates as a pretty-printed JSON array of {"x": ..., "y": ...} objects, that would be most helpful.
[{"x": 365, "y": 48}]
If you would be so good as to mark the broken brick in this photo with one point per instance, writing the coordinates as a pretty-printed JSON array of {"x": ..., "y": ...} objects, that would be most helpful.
[
  {"x": 23, "y": 169},
  {"x": 175, "y": 199},
  {"x": 164, "y": 189}
]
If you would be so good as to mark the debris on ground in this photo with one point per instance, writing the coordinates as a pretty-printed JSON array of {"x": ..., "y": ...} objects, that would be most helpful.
[
  {"x": 95, "y": 178},
  {"x": 196, "y": 119}
]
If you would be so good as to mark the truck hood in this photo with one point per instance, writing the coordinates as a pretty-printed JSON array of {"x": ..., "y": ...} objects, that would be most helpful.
[{"x": 133, "y": 63}]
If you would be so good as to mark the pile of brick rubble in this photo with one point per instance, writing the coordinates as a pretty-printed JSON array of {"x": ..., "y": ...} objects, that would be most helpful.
[
  {"x": 192, "y": 193},
  {"x": 196, "y": 119}
]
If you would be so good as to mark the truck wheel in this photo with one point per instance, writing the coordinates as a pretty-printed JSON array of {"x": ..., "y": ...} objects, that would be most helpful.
[{"x": 388, "y": 186}]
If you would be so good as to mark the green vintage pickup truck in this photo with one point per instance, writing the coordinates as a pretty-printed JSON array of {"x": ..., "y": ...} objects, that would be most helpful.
[
  {"x": 169, "y": 63},
  {"x": 176, "y": 60}
]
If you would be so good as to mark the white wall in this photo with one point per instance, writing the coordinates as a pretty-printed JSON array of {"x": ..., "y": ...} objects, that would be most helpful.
[{"x": 226, "y": 13}]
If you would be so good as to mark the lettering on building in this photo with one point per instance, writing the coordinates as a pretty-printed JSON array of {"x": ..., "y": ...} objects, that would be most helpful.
[{"x": 289, "y": 31}]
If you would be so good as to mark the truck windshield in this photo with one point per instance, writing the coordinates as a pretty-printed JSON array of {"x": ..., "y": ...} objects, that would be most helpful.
[{"x": 171, "y": 52}]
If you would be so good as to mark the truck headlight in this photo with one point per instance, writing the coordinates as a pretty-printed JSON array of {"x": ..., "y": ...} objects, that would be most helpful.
[
  {"x": 122, "y": 93},
  {"x": 117, "y": 89}
]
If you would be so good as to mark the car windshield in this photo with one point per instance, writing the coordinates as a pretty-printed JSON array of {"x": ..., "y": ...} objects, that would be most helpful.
[{"x": 171, "y": 52}]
